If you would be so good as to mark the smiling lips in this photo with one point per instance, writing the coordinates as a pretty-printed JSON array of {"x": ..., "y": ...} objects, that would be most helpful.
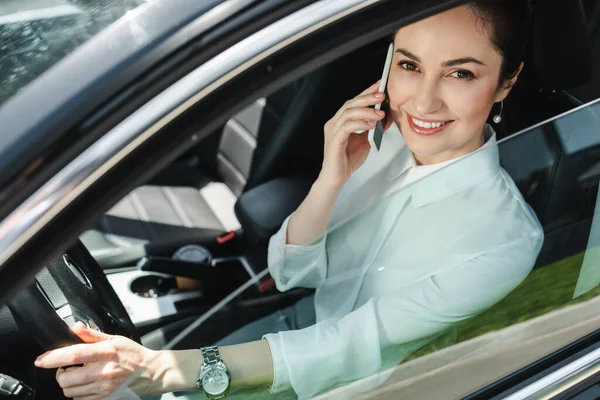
[{"x": 427, "y": 127}]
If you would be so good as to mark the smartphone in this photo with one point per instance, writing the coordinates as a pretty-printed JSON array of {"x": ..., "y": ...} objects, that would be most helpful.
[{"x": 376, "y": 133}]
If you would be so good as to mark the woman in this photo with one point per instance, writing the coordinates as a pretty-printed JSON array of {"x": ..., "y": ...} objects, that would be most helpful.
[{"x": 451, "y": 236}]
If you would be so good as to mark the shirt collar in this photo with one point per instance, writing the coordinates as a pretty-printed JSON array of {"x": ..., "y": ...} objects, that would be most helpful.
[{"x": 437, "y": 181}]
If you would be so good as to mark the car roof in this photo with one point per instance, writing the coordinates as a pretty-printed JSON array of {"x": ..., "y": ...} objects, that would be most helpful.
[{"x": 46, "y": 109}]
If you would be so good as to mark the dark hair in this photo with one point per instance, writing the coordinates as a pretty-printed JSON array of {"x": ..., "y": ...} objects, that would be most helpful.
[{"x": 508, "y": 25}]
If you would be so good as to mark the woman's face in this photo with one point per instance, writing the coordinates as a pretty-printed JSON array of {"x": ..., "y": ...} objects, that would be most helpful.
[{"x": 443, "y": 83}]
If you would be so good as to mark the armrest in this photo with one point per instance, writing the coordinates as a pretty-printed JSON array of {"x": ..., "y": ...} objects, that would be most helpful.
[{"x": 262, "y": 210}]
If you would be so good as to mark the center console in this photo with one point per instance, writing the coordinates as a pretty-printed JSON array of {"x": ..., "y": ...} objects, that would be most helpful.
[{"x": 150, "y": 295}]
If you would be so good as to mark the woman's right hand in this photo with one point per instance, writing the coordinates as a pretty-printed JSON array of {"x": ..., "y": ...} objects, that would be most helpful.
[
  {"x": 345, "y": 151},
  {"x": 108, "y": 361}
]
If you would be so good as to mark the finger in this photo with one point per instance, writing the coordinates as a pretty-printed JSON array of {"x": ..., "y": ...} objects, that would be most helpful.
[
  {"x": 105, "y": 390},
  {"x": 91, "y": 397},
  {"x": 80, "y": 376},
  {"x": 352, "y": 126},
  {"x": 71, "y": 355},
  {"x": 61, "y": 370},
  {"x": 81, "y": 391},
  {"x": 358, "y": 113},
  {"x": 89, "y": 335},
  {"x": 361, "y": 113},
  {"x": 90, "y": 389},
  {"x": 366, "y": 100}
]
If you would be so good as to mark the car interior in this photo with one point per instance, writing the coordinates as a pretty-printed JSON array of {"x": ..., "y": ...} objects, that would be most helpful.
[{"x": 233, "y": 190}]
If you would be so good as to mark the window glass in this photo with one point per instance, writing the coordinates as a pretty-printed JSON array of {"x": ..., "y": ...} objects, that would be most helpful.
[
  {"x": 484, "y": 294},
  {"x": 449, "y": 308},
  {"x": 545, "y": 290},
  {"x": 36, "y": 34}
]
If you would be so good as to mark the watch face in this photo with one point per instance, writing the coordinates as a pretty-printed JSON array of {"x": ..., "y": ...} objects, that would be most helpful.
[{"x": 215, "y": 381}]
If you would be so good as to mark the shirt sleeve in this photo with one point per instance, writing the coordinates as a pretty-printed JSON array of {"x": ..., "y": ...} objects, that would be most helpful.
[
  {"x": 343, "y": 349},
  {"x": 296, "y": 266}
]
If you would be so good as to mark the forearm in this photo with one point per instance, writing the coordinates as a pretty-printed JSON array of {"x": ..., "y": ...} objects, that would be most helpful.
[
  {"x": 312, "y": 216},
  {"x": 250, "y": 364}
]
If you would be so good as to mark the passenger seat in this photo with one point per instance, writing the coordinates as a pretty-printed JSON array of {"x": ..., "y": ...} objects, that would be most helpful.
[{"x": 185, "y": 204}]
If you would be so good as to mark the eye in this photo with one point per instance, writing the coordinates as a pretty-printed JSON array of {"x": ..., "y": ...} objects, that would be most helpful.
[
  {"x": 463, "y": 74},
  {"x": 409, "y": 66}
]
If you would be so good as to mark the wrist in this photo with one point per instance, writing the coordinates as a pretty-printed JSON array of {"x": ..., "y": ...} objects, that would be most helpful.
[
  {"x": 177, "y": 370},
  {"x": 329, "y": 186}
]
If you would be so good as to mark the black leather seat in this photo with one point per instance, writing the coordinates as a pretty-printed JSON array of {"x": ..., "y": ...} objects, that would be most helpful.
[
  {"x": 187, "y": 203},
  {"x": 558, "y": 61}
]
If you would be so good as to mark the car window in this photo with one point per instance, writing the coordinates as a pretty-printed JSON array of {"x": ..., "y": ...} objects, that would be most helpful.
[{"x": 36, "y": 34}]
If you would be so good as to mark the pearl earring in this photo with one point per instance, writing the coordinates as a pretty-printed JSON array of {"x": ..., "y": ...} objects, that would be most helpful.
[{"x": 498, "y": 118}]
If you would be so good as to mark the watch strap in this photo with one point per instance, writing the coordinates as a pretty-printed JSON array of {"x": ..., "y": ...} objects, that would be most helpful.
[{"x": 210, "y": 355}]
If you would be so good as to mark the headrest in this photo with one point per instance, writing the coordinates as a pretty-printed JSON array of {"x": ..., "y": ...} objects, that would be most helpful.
[{"x": 560, "y": 50}]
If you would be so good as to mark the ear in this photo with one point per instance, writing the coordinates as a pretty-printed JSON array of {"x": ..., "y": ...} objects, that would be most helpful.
[{"x": 507, "y": 86}]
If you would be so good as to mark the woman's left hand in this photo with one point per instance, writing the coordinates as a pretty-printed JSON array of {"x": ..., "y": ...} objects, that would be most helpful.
[{"x": 108, "y": 361}]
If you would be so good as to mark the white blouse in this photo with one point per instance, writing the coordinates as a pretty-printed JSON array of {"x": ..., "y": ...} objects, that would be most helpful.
[{"x": 409, "y": 252}]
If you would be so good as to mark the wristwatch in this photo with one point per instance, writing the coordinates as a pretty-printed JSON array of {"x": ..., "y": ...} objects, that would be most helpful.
[{"x": 214, "y": 378}]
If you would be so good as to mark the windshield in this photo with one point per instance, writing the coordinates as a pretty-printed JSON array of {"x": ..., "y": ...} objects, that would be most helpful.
[{"x": 36, "y": 34}]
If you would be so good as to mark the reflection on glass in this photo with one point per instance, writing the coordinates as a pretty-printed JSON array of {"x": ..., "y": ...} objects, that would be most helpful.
[
  {"x": 473, "y": 332},
  {"x": 36, "y": 34}
]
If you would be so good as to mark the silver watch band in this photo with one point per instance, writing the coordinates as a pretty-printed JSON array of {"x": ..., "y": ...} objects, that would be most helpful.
[{"x": 211, "y": 355}]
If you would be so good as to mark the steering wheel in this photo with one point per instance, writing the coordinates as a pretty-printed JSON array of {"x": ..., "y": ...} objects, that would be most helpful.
[{"x": 72, "y": 288}]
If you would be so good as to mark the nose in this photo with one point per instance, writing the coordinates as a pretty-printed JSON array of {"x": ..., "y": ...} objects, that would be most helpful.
[{"x": 426, "y": 100}]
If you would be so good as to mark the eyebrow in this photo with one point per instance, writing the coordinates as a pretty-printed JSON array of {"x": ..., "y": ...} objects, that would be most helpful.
[
  {"x": 449, "y": 63},
  {"x": 408, "y": 54},
  {"x": 459, "y": 61}
]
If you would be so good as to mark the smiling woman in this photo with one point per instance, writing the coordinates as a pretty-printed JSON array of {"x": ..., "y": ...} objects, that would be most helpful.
[{"x": 443, "y": 85}]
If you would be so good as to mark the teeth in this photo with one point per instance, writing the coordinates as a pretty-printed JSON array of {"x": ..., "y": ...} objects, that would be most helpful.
[{"x": 427, "y": 125}]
